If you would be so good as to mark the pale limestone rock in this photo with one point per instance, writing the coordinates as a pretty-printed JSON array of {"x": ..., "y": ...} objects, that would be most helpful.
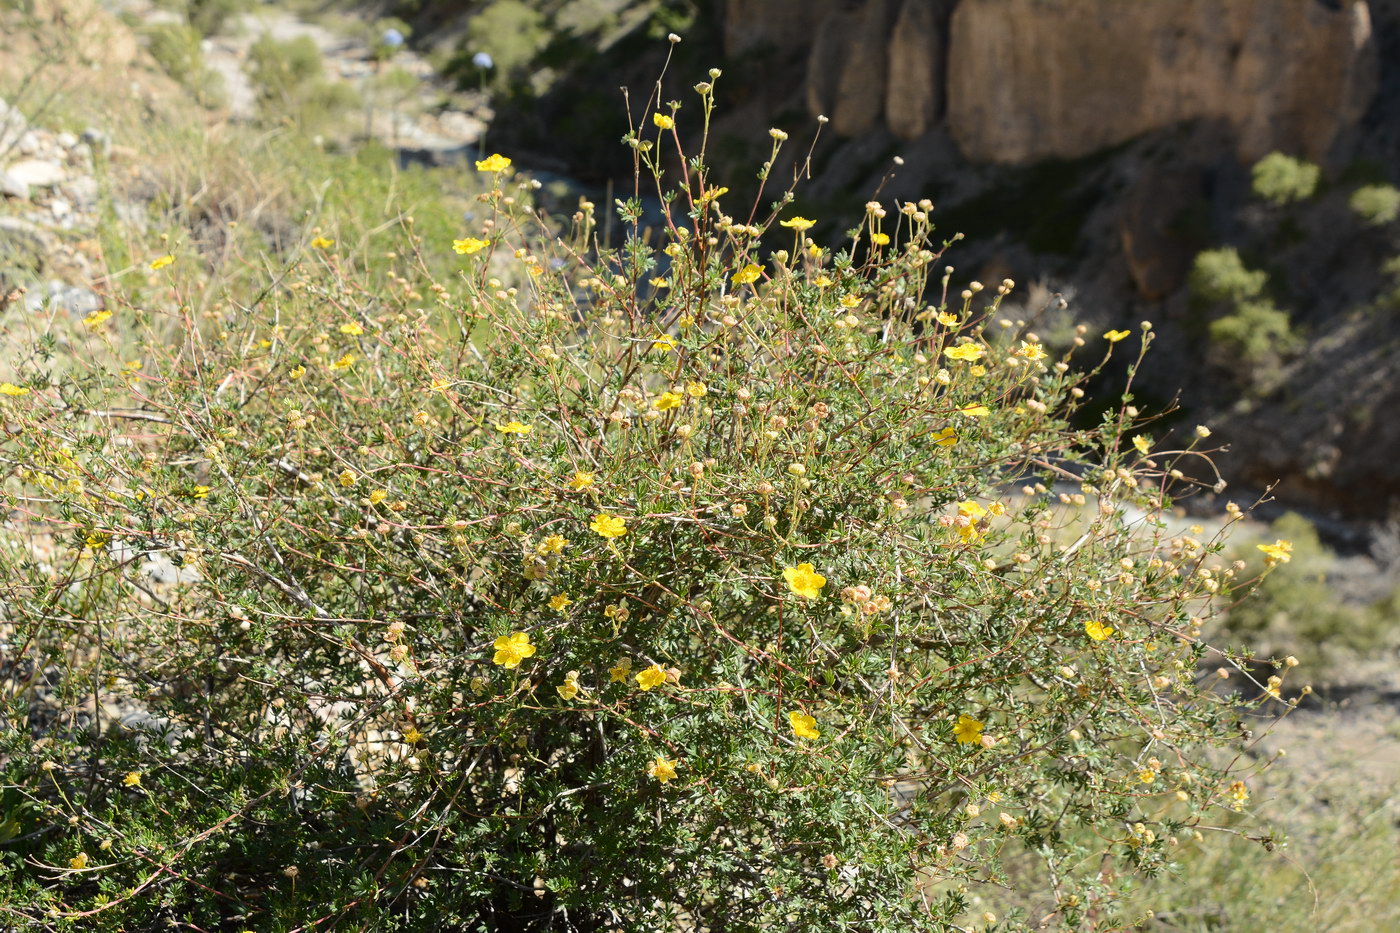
[
  {"x": 1035, "y": 79},
  {"x": 37, "y": 173}
]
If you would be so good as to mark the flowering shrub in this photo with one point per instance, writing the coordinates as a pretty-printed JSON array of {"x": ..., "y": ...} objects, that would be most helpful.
[{"x": 726, "y": 579}]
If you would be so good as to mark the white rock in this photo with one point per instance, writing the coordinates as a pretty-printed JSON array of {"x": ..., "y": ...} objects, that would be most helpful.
[
  {"x": 12, "y": 187},
  {"x": 76, "y": 299},
  {"x": 37, "y": 173},
  {"x": 60, "y": 208},
  {"x": 66, "y": 140}
]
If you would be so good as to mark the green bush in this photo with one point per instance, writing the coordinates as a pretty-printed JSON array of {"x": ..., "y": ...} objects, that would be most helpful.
[
  {"x": 512, "y": 32},
  {"x": 707, "y": 587},
  {"x": 178, "y": 51},
  {"x": 1219, "y": 275},
  {"x": 1296, "y": 611},
  {"x": 1253, "y": 342},
  {"x": 292, "y": 85},
  {"x": 211, "y": 17},
  {"x": 1281, "y": 179},
  {"x": 1377, "y": 205}
]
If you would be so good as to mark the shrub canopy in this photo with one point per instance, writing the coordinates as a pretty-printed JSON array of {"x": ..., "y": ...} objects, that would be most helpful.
[{"x": 682, "y": 584}]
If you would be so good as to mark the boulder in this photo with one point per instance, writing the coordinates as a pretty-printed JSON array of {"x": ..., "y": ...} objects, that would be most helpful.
[
  {"x": 1036, "y": 79},
  {"x": 12, "y": 186},
  {"x": 36, "y": 173}
]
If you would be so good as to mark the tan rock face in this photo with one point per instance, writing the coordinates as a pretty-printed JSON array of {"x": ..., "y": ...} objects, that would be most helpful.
[
  {"x": 846, "y": 75},
  {"x": 780, "y": 24},
  {"x": 1025, "y": 80},
  {"x": 917, "y": 63},
  {"x": 1031, "y": 79}
]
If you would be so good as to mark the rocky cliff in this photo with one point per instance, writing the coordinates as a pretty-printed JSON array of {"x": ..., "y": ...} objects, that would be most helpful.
[{"x": 1024, "y": 80}]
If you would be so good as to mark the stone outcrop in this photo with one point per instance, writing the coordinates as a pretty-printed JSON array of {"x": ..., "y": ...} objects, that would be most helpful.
[
  {"x": 1031, "y": 79},
  {"x": 918, "y": 62},
  {"x": 849, "y": 67},
  {"x": 1018, "y": 81}
]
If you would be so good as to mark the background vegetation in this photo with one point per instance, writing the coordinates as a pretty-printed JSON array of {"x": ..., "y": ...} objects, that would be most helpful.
[{"x": 343, "y": 426}]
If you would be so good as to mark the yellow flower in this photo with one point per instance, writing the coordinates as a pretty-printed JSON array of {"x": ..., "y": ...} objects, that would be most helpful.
[
  {"x": 378, "y": 496},
  {"x": 569, "y": 688},
  {"x": 620, "y": 671},
  {"x": 1142, "y": 444},
  {"x": 97, "y": 318},
  {"x": 880, "y": 239},
  {"x": 803, "y": 726},
  {"x": 161, "y": 263},
  {"x": 511, "y": 650},
  {"x": 296, "y": 372},
  {"x": 972, "y": 510},
  {"x": 321, "y": 242},
  {"x": 1097, "y": 630},
  {"x": 804, "y": 581},
  {"x": 132, "y": 779},
  {"x": 663, "y": 121},
  {"x": 493, "y": 163},
  {"x": 347, "y": 477},
  {"x": 822, "y": 281},
  {"x": 964, "y": 351},
  {"x": 609, "y": 526},
  {"x": 1031, "y": 351},
  {"x": 559, "y": 602},
  {"x": 660, "y": 283},
  {"x": 468, "y": 245},
  {"x": 945, "y": 438},
  {"x": 352, "y": 329},
  {"x": 78, "y": 862},
  {"x": 440, "y": 385},
  {"x": 553, "y": 544},
  {"x": 345, "y": 362},
  {"x": 1280, "y": 552},
  {"x": 9, "y": 388},
  {"x": 711, "y": 194},
  {"x": 668, "y": 400},
  {"x": 199, "y": 492},
  {"x": 799, "y": 224},
  {"x": 664, "y": 342},
  {"x": 514, "y": 427},
  {"x": 662, "y": 770},
  {"x": 748, "y": 275},
  {"x": 1239, "y": 791},
  {"x": 581, "y": 480},
  {"x": 1114, "y": 336},
  {"x": 1147, "y": 775},
  {"x": 850, "y": 301},
  {"x": 412, "y": 736},
  {"x": 696, "y": 389},
  {"x": 653, "y": 676},
  {"x": 975, "y": 411},
  {"x": 968, "y": 731},
  {"x": 947, "y": 319}
]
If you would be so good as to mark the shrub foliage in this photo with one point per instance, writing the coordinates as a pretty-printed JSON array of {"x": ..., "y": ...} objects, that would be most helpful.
[{"x": 720, "y": 579}]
